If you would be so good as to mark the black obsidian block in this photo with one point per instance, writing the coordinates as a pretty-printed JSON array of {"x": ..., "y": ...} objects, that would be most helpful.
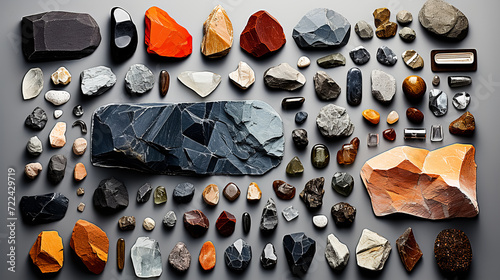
[
  {"x": 123, "y": 35},
  {"x": 110, "y": 196},
  {"x": 43, "y": 208}
]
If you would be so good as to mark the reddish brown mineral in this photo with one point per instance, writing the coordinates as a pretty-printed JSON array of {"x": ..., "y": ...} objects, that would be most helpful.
[
  {"x": 464, "y": 125},
  {"x": 262, "y": 35},
  {"x": 433, "y": 185},
  {"x": 47, "y": 252},
  {"x": 408, "y": 249},
  {"x": 196, "y": 223},
  {"x": 225, "y": 223},
  {"x": 348, "y": 153},
  {"x": 91, "y": 245}
]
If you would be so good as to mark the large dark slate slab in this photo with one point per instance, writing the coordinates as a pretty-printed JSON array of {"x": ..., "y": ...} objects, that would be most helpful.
[{"x": 206, "y": 138}]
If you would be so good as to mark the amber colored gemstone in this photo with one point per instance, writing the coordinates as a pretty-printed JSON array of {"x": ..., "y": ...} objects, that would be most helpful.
[
  {"x": 381, "y": 16},
  {"x": 207, "y": 257},
  {"x": 389, "y": 134},
  {"x": 120, "y": 253},
  {"x": 464, "y": 125},
  {"x": 225, "y": 223},
  {"x": 211, "y": 194},
  {"x": 196, "y": 223},
  {"x": 283, "y": 190},
  {"x": 254, "y": 193},
  {"x": 80, "y": 172},
  {"x": 393, "y": 117},
  {"x": 231, "y": 191},
  {"x": 371, "y": 116},
  {"x": 217, "y": 34},
  {"x": 47, "y": 252},
  {"x": 164, "y": 82},
  {"x": 262, "y": 35},
  {"x": 347, "y": 154},
  {"x": 408, "y": 249},
  {"x": 414, "y": 87},
  {"x": 414, "y": 115},
  {"x": 164, "y": 36}
]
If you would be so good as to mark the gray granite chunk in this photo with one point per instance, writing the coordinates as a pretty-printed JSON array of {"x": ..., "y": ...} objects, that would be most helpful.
[
  {"x": 139, "y": 79},
  {"x": 383, "y": 86},
  {"x": 97, "y": 80},
  {"x": 333, "y": 121},
  {"x": 364, "y": 30},
  {"x": 443, "y": 20}
]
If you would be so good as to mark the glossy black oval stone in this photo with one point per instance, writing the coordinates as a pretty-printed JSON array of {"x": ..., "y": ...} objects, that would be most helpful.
[
  {"x": 354, "y": 86},
  {"x": 292, "y": 102},
  {"x": 246, "y": 221},
  {"x": 123, "y": 35}
]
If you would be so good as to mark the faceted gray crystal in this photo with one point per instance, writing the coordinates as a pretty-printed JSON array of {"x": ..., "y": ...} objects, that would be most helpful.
[
  {"x": 34, "y": 146},
  {"x": 284, "y": 77},
  {"x": 443, "y": 20},
  {"x": 326, "y": 88},
  {"x": 180, "y": 258},
  {"x": 139, "y": 79},
  {"x": 97, "y": 80},
  {"x": 290, "y": 213},
  {"x": 170, "y": 219},
  {"x": 333, "y": 121},
  {"x": 331, "y": 60},
  {"x": 461, "y": 100},
  {"x": 223, "y": 137},
  {"x": 438, "y": 102},
  {"x": 363, "y": 29},
  {"x": 146, "y": 258},
  {"x": 269, "y": 218},
  {"x": 359, "y": 55},
  {"x": 238, "y": 255},
  {"x": 407, "y": 34},
  {"x": 321, "y": 28},
  {"x": 32, "y": 83},
  {"x": 336, "y": 253},
  {"x": 383, "y": 86},
  {"x": 386, "y": 56}
]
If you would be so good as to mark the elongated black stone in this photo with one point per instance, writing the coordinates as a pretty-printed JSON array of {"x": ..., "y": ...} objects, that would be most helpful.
[
  {"x": 246, "y": 220},
  {"x": 354, "y": 86},
  {"x": 124, "y": 37},
  {"x": 164, "y": 82},
  {"x": 43, "y": 208},
  {"x": 292, "y": 102}
]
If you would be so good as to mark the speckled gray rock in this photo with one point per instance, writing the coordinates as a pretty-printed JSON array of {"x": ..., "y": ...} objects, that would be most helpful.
[
  {"x": 461, "y": 100},
  {"x": 383, "y": 86},
  {"x": 97, "y": 80},
  {"x": 331, "y": 60},
  {"x": 386, "y": 56},
  {"x": 34, "y": 146},
  {"x": 284, "y": 77},
  {"x": 170, "y": 219},
  {"x": 57, "y": 97},
  {"x": 404, "y": 17},
  {"x": 180, "y": 258},
  {"x": 364, "y": 30},
  {"x": 333, "y": 121},
  {"x": 325, "y": 87},
  {"x": 139, "y": 79},
  {"x": 438, "y": 102},
  {"x": 407, "y": 34},
  {"x": 359, "y": 55},
  {"x": 443, "y": 20},
  {"x": 32, "y": 83}
]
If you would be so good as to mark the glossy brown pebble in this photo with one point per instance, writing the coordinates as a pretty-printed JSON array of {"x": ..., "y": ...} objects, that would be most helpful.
[
  {"x": 371, "y": 116},
  {"x": 120, "y": 253},
  {"x": 283, "y": 190},
  {"x": 164, "y": 82},
  {"x": 414, "y": 87},
  {"x": 225, "y": 223},
  {"x": 231, "y": 191},
  {"x": 453, "y": 251},
  {"x": 414, "y": 115},
  {"x": 389, "y": 134},
  {"x": 207, "y": 256},
  {"x": 464, "y": 125}
]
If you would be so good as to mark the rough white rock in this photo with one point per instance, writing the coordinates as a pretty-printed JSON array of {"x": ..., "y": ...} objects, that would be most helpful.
[
  {"x": 372, "y": 250},
  {"x": 284, "y": 77},
  {"x": 303, "y": 62},
  {"x": 320, "y": 221},
  {"x": 243, "y": 76},
  {"x": 32, "y": 83},
  {"x": 34, "y": 146},
  {"x": 404, "y": 17},
  {"x": 58, "y": 113},
  {"x": 61, "y": 76},
  {"x": 336, "y": 253},
  {"x": 149, "y": 224},
  {"x": 79, "y": 146},
  {"x": 203, "y": 83},
  {"x": 383, "y": 86},
  {"x": 334, "y": 121},
  {"x": 57, "y": 97}
]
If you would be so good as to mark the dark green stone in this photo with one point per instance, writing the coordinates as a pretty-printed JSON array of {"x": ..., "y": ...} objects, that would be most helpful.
[
  {"x": 295, "y": 167},
  {"x": 160, "y": 195},
  {"x": 320, "y": 156}
]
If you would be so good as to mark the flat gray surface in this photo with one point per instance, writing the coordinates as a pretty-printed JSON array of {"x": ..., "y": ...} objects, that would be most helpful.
[{"x": 482, "y": 230}]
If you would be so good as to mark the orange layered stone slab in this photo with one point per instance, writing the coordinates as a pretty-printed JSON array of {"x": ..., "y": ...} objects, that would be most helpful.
[
  {"x": 164, "y": 36},
  {"x": 218, "y": 34},
  {"x": 434, "y": 185},
  {"x": 47, "y": 252},
  {"x": 262, "y": 35},
  {"x": 91, "y": 245}
]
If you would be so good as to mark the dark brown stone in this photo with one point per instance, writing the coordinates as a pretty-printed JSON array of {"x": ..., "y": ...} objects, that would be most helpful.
[
  {"x": 225, "y": 223},
  {"x": 126, "y": 223},
  {"x": 313, "y": 192},
  {"x": 464, "y": 125},
  {"x": 196, "y": 223},
  {"x": 414, "y": 87},
  {"x": 164, "y": 82},
  {"x": 414, "y": 115},
  {"x": 120, "y": 253},
  {"x": 231, "y": 191},
  {"x": 343, "y": 214},
  {"x": 389, "y": 134},
  {"x": 283, "y": 190},
  {"x": 453, "y": 251},
  {"x": 408, "y": 249}
]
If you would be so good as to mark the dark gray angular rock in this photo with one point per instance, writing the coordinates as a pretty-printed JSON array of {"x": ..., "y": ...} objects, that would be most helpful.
[
  {"x": 299, "y": 252},
  {"x": 301, "y": 117},
  {"x": 59, "y": 35},
  {"x": 386, "y": 56},
  {"x": 342, "y": 183},
  {"x": 354, "y": 86},
  {"x": 268, "y": 258},
  {"x": 322, "y": 28},
  {"x": 183, "y": 192},
  {"x": 170, "y": 219},
  {"x": 438, "y": 102},
  {"x": 359, "y": 55},
  {"x": 343, "y": 214},
  {"x": 43, "y": 208},
  {"x": 139, "y": 79},
  {"x": 383, "y": 86},
  {"x": 144, "y": 193},
  {"x": 269, "y": 218},
  {"x": 238, "y": 255},
  {"x": 284, "y": 77},
  {"x": 180, "y": 258},
  {"x": 57, "y": 168},
  {"x": 37, "y": 119},
  {"x": 313, "y": 193},
  {"x": 299, "y": 137},
  {"x": 34, "y": 146},
  {"x": 364, "y": 30},
  {"x": 97, "y": 80},
  {"x": 461, "y": 100},
  {"x": 203, "y": 138},
  {"x": 333, "y": 121},
  {"x": 444, "y": 20},
  {"x": 331, "y": 60},
  {"x": 325, "y": 87},
  {"x": 110, "y": 196}
]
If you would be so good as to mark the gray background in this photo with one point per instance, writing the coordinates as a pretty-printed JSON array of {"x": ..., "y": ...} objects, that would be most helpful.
[{"x": 191, "y": 14}]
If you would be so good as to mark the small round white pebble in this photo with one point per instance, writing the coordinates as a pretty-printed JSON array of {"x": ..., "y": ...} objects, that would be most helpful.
[
  {"x": 320, "y": 221},
  {"x": 303, "y": 62},
  {"x": 149, "y": 224},
  {"x": 58, "y": 113},
  {"x": 57, "y": 97}
]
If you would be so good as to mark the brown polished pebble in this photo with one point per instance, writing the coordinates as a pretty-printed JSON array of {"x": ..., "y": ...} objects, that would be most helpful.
[
  {"x": 464, "y": 125},
  {"x": 453, "y": 251},
  {"x": 389, "y": 134},
  {"x": 414, "y": 115},
  {"x": 283, "y": 190},
  {"x": 254, "y": 193},
  {"x": 211, "y": 195},
  {"x": 385, "y": 28},
  {"x": 347, "y": 154},
  {"x": 414, "y": 87},
  {"x": 231, "y": 191},
  {"x": 164, "y": 82},
  {"x": 120, "y": 253}
]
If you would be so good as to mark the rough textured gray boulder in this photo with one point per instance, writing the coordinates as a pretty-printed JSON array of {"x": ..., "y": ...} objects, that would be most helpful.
[
  {"x": 97, "y": 80},
  {"x": 333, "y": 121},
  {"x": 443, "y": 20},
  {"x": 383, "y": 86},
  {"x": 326, "y": 88},
  {"x": 139, "y": 79}
]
